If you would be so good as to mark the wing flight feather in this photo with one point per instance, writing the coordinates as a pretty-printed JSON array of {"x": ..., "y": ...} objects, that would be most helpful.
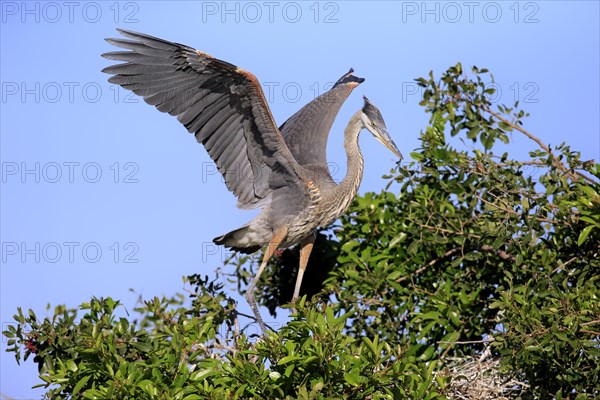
[{"x": 221, "y": 104}]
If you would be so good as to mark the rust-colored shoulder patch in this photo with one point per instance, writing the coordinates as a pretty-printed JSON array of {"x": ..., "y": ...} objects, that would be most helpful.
[
  {"x": 250, "y": 76},
  {"x": 217, "y": 63},
  {"x": 203, "y": 54}
]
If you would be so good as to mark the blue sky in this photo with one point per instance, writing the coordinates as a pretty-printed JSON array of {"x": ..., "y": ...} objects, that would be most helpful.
[{"x": 101, "y": 193}]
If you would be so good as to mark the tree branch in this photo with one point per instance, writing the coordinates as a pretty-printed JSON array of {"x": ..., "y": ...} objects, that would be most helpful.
[{"x": 575, "y": 175}]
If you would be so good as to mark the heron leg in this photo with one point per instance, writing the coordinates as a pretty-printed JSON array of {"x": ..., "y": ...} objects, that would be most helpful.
[
  {"x": 305, "y": 249},
  {"x": 276, "y": 240}
]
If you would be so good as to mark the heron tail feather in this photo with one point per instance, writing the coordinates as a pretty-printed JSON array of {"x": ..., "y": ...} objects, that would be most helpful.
[{"x": 237, "y": 240}]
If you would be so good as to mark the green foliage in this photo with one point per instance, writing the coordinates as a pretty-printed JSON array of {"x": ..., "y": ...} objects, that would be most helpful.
[
  {"x": 464, "y": 256},
  {"x": 105, "y": 356},
  {"x": 177, "y": 352}
]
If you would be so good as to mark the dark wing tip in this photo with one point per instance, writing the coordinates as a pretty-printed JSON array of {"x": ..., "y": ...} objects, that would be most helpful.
[
  {"x": 349, "y": 78},
  {"x": 131, "y": 35},
  {"x": 136, "y": 35},
  {"x": 133, "y": 39}
]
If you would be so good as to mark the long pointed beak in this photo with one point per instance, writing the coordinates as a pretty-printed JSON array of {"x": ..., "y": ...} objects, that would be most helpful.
[{"x": 385, "y": 139}]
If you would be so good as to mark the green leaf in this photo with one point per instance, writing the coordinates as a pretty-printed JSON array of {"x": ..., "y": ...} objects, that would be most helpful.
[
  {"x": 288, "y": 359},
  {"x": 413, "y": 247},
  {"x": 398, "y": 239},
  {"x": 450, "y": 339},
  {"x": 71, "y": 366},
  {"x": 417, "y": 156},
  {"x": 584, "y": 234},
  {"x": 395, "y": 275},
  {"x": 372, "y": 345},
  {"x": 353, "y": 377},
  {"x": 82, "y": 382}
]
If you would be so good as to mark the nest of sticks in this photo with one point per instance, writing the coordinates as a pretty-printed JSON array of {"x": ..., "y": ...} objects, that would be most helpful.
[{"x": 480, "y": 378}]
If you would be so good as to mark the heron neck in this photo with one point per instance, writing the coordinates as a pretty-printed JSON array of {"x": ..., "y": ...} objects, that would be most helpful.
[{"x": 355, "y": 164}]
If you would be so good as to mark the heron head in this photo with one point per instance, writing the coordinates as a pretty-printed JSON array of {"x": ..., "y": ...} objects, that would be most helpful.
[{"x": 373, "y": 121}]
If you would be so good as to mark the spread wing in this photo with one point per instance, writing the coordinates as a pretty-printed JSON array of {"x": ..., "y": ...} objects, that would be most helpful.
[
  {"x": 221, "y": 104},
  {"x": 306, "y": 132}
]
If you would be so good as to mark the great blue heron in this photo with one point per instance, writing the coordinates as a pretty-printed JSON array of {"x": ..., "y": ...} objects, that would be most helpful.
[{"x": 282, "y": 171}]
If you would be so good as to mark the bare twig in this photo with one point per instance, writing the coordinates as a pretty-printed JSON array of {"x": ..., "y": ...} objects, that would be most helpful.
[
  {"x": 574, "y": 176},
  {"x": 417, "y": 272},
  {"x": 220, "y": 346},
  {"x": 467, "y": 341},
  {"x": 435, "y": 228},
  {"x": 429, "y": 264},
  {"x": 489, "y": 203},
  {"x": 590, "y": 332},
  {"x": 597, "y": 321},
  {"x": 501, "y": 253},
  {"x": 564, "y": 265}
]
